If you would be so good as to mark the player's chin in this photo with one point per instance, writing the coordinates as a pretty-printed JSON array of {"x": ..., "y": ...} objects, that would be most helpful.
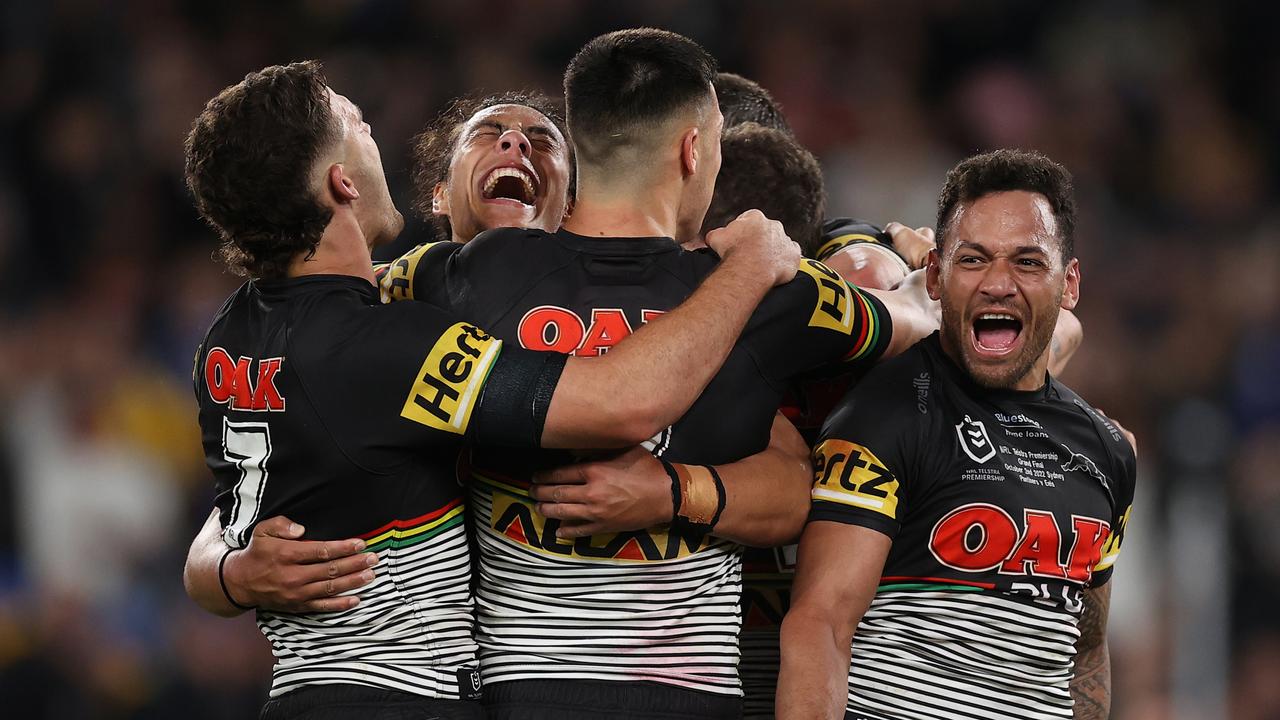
[{"x": 505, "y": 213}]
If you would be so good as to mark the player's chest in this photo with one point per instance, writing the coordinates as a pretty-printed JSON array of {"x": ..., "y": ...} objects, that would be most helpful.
[{"x": 1015, "y": 493}]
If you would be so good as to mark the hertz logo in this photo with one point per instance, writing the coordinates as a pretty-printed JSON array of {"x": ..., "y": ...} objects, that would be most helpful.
[
  {"x": 448, "y": 384},
  {"x": 849, "y": 474},
  {"x": 834, "y": 309}
]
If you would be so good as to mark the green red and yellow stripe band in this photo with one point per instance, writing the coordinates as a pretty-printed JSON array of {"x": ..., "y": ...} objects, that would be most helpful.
[
  {"x": 402, "y": 533},
  {"x": 870, "y": 326},
  {"x": 931, "y": 583}
]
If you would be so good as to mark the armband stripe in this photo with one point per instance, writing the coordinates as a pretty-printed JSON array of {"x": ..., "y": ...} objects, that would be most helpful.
[
  {"x": 833, "y": 246},
  {"x": 869, "y": 326}
]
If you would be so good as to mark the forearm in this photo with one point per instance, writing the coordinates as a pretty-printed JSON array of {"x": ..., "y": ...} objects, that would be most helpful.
[
  {"x": 649, "y": 380},
  {"x": 1068, "y": 333},
  {"x": 915, "y": 315},
  {"x": 1091, "y": 684},
  {"x": 767, "y": 494},
  {"x": 200, "y": 575},
  {"x": 813, "y": 681}
]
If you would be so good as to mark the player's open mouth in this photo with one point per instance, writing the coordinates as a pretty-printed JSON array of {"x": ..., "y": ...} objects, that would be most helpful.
[
  {"x": 996, "y": 333},
  {"x": 510, "y": 185}
]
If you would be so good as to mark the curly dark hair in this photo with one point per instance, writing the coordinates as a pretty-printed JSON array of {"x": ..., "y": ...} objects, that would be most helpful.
[
  {"x": 1002, "y": 170},
  {"x": 433, "y": 147},
  {"x": 766, "y": 169},
  {"x": 248, "y": 164},
  {"x": 742, "y": 101}
]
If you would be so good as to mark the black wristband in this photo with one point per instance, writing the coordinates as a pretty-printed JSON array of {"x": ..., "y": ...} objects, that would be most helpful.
[
  {"x": 222, "y": 580},
  {"x": 720, "y": 497},
  {"x": 676, "y": 497}
]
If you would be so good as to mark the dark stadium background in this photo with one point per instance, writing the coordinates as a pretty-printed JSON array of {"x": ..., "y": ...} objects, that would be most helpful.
[{"x": 1166, "y": 112}]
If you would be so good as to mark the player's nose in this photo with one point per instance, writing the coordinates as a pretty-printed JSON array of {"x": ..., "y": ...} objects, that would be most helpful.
[
  {"x": 512, "y": 142},
  {"x": 997, "y": 281}
]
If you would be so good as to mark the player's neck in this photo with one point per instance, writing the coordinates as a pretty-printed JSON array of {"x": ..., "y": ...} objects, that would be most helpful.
[
  {"x": 624, "y": 213},
  {"x": 343, "y": 250}
]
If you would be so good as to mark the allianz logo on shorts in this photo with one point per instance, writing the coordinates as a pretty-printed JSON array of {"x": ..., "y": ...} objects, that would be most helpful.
[{"x": 974, "y": 440}]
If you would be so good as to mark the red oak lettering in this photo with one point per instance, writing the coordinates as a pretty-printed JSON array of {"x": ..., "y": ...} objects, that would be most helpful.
[
  {"x": 1037, "y": 550},
  {"x": 980, "y": 537},
  {"x": 551, "y": 328},
  {"x": 548, "y": 327},
  {"x": 228, "y": 382},
  {"x": 950, "y": 540}
]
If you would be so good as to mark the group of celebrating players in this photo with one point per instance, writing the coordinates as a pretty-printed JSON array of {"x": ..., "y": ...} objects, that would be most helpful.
[{"x": 551, "y": 466}]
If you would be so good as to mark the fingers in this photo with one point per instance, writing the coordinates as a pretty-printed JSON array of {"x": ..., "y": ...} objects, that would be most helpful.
[
  {"x": 341, "y": 567},
  {"x": 563, "y": 511},
  {"x": 306, "y": 552},
  {"x": 565, "y": 475},
  {"x": 321, "y": 596},
  {"x": 279, "y": 527},
  {"x": 564, "y": 494}
]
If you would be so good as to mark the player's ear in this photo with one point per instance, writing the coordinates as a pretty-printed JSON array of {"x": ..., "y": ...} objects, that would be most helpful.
[
  {"x": 341, "y": 188},
  {"x": 689, "y": 152},
  {"x": 1071, "y": 295},
  {"x": 440, "y": 200},
  {"x": 933, "y": 275}
]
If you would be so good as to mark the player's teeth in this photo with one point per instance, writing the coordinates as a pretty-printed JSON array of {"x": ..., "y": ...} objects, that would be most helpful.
[{"x": 996, "y": 316}]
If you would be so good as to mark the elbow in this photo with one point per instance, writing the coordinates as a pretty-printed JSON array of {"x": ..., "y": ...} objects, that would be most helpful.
[{"x": 637, "y": 422}]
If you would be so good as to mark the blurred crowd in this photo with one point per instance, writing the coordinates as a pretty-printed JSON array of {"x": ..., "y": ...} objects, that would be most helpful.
[{"x": 1163, "y": 111}]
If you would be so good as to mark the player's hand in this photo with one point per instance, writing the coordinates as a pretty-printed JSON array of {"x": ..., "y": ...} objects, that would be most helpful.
[
  {"x": 914, "y": 245},
  {"x": 762, "y": 241},
  {"x": 277, "y": 571},
  {"x": 628, "y": 492}
]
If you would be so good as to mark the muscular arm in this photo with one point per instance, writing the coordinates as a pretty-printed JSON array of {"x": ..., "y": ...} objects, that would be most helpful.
[
  {"x": 276, "y": 570},
  {"x": 915, "y": 314},
  {"x": 652, "y": 377},
  {"x": 1091, "y": 679},
  {"x": 766, "y": 494},
  {"x": 837, "y": 572}
]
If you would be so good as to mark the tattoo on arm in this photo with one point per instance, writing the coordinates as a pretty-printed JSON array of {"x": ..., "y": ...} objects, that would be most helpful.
[{"x": 1091, "y": 680}]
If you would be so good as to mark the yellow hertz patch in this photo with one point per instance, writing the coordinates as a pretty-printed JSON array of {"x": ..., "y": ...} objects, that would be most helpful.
[
  {"x": 831, "y": 247},
  {"x": 834, "y": 310},
  {"x": 849, "y": 474},
  {"x": 397, "y": 283},
  {"x": 1111, "y": 550},
  {"x": 448, "y": 384},
  {"x": 516, "y": 519}
]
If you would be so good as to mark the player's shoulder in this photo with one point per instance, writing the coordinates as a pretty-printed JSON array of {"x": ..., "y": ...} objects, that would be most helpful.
[
  {"x": 899, "y": 392},
  {"x": 841, "y": 232},
  {"x": 1115, "y": 444}
]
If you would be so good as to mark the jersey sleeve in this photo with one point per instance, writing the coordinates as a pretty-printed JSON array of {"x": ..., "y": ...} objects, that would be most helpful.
[
  {"x": 840, "y": 233},
  {"x": 817, "y": 320},
  {"x": 411, "y": 376},
  {"x": 863, "y": 462},
  {"x": 1125, "y": 464},
  {"x": 420, "y": 274}
]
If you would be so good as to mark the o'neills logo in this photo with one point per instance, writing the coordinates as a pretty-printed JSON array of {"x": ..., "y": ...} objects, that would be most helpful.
[
  {"x": 516, "y": 519},
  {"x": 231, "y": 382}
]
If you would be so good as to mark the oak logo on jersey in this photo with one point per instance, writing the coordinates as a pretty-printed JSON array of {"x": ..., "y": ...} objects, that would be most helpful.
[
  {"x": 980, "y": 537},
  {"x": 974, "y": 440},
  {"x": 834, "y": 310},
  {"x": 850, "y": 474},
  {"x": 516, "y": 519},
  {"x": 558, "y": 329},
  {"x": 230, "y": 382},
  {"x": 448, "y": 384}
]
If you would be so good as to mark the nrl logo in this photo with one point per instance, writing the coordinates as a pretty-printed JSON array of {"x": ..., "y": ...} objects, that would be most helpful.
[
  {"x": 974, "y": 440},
  {"x": 1077, "y": 461}
]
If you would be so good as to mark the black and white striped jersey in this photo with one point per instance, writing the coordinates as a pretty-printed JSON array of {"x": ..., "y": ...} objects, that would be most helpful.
[
  {"x": 320, "y": 403},
  {"x": 1003, "y": 507},
  {"x": 646, "y": 605}
]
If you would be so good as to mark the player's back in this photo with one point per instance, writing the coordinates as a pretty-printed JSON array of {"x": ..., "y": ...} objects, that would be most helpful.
[
  {"x": 304, "y": 394},
  {"x": 643, "y": 605}
]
